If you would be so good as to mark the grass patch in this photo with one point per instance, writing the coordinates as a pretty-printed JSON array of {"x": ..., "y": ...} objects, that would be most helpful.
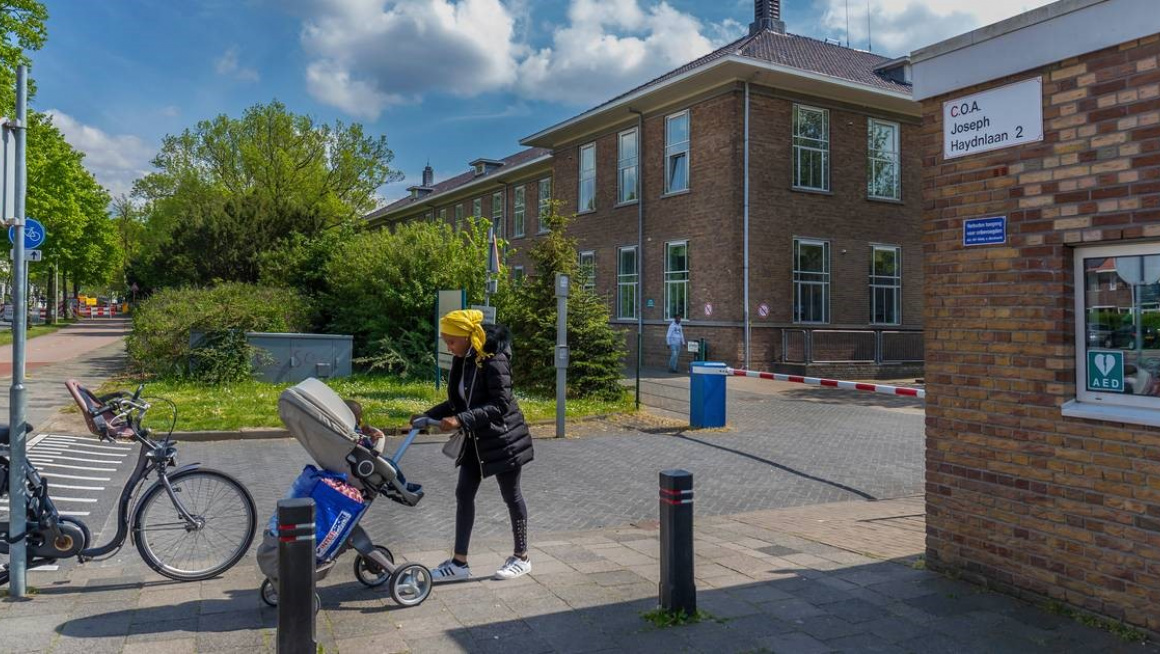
[
  {"x": 1119, "y": 629},
  {"x": 387, "y": 402},
  {"x": 662, "y": 619},
  {"x": 33, "y": 331}
]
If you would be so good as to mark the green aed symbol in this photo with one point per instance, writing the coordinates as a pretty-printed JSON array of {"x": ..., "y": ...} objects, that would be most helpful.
[{"x": 1105, "y": 371}]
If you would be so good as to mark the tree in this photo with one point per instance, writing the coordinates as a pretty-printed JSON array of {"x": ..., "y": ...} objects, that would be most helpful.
[
  {"x": 21, "y": 29},
  {"x": 596, "y": 349},
  {"x": 232, "y": 189}
]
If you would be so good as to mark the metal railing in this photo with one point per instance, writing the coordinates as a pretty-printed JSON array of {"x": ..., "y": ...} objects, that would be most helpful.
[{"x": 851, "y": 346}]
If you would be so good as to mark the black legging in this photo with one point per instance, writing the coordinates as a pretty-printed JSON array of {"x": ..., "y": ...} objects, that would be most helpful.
[{"x": 509, "y": 488}]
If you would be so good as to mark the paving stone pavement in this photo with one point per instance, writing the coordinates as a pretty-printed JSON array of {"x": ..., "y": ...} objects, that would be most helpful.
[{"x": 587, "y": 593}]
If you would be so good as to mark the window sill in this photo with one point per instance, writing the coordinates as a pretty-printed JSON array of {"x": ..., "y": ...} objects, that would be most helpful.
[
  {"x": 674, "y": 194},
  {"x": 812, "y": 191},
  {"x": 629, "y": 203},
  {"x": 1111, "y": 413},
  {"x": 515, "y": 236},
  {"x": 543, "y": 232},
  {"x": 581, "y": 213},
  {"x": 884, "y": 200}
]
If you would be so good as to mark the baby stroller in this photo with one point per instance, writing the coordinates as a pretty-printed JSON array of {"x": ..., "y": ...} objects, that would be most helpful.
[{"x": 325, "y": 427}]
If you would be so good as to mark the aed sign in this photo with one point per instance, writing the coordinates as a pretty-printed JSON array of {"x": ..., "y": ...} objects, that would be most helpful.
[
  {"x": 1105, "y": 371},
  {"x": 991, "y": 120}
]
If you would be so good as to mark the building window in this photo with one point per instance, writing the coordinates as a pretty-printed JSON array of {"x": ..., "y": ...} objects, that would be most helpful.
[
  {"x": 587, "y": 177},
  {"x": 1117, "y": 309},
  {"x": 518, "y": 212},
  {"x": 477, "y": 207},
  {"x": 443, "y": 215},
  {"x": 811, "y": 281},
  {"x": 626, "y": 167},
  {"x": 677, "y": 279},
  {"x": 480, "y": 168},
  {"x": 587, "y": 270},
  {"x": 518, "y": 275},
  {"x": 497, "y": 202},
  {"x": 458, "y": 216},
  {"x": 811, "y": 148},
  {"x": 626, "y": 283},
  {"x": 885, "y": 285},
  {"x": 882, "y": 165},
  {"x": 545, "y": 201},
  {"x": 430, "y": 216},
  {"x": 677, "y": 152}
]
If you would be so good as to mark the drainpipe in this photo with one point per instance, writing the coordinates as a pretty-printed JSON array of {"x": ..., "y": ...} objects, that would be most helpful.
[
  {"x": 745, "y": 213},
  {"x": 639, "y": 229}
]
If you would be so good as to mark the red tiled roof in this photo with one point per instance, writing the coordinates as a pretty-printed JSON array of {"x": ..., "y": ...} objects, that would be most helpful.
[
  {"x": 793, "y": 51},
  {"x": 452, "y": 183}
]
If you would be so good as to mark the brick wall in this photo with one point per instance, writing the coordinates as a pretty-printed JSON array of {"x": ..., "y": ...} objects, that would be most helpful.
[{"x": 1020, "y": 497}]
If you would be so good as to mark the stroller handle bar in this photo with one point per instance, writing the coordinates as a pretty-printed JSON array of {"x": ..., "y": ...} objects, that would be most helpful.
[{"x": 416, "y": 426}]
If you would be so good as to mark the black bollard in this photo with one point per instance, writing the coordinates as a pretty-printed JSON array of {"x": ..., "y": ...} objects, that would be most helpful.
[
  {"x": 678, "y": 593},
  {"x": 296, "y": 577}
]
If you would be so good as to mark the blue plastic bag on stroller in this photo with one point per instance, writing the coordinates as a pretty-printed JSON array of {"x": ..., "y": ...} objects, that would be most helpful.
[{"x": 335, "y": 514}]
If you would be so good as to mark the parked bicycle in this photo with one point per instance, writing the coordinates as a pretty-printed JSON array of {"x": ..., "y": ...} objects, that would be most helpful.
[{"x": 191, "y": 523}]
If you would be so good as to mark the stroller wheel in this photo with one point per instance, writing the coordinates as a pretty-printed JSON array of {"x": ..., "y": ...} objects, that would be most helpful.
[
  {"x": 369, "y": 573},
  {"x": 269, "y": 593},
  {"x": 411, "y": 584}
]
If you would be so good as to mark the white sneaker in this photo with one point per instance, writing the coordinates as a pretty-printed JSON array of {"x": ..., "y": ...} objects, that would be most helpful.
[
  {"x": 450, "y": 571},
  {"x": 514, "y": 567}
]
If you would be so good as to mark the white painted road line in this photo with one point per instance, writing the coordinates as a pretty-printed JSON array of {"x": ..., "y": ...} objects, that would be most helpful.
[
  {"x": 60, "y": 449},
  {"x": 69, "y": 487},
  {"x": 55, "y": 457},
  {"x": 74, "y": 513},
  {"x": 61, "y": 475},
  {"x": 61, "y": 499},
  {"x": 88, "y": 442},
  {"x": 61, "y": 465}
]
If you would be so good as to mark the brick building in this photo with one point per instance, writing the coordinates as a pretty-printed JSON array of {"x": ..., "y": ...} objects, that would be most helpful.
[
  {"x": 1042, "y": 366},
  {"x": 768, "y": 192}
]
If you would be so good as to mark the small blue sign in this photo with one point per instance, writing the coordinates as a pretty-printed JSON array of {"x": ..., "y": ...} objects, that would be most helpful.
[
  {"x": 985, "y": 231},
  {"x": 34, "y": 234}
]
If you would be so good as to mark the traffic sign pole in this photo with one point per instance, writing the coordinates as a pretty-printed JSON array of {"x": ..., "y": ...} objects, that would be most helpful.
[{"x": 17, "y": 502}]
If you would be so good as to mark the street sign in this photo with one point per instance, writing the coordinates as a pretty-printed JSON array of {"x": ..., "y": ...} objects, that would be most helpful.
[
  {"x": 29, "y": 255},
  {"x": 488, "y": 313},
  {"x": 1105, "y": 371},
  {"x": 995, "y": 119},
  {"x": 34, "y": 234},
  {"x": 985, "y": 231}
]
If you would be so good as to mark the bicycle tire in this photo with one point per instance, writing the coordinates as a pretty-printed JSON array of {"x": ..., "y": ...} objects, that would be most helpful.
[{"x": 193, "y": 479}]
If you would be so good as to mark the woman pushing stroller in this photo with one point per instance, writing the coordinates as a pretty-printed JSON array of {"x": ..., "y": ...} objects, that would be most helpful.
[{"x": 497, "y": 444}]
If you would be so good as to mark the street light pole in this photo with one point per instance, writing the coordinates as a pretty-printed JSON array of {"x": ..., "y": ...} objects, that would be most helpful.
[{"x": 17, "y": 501}]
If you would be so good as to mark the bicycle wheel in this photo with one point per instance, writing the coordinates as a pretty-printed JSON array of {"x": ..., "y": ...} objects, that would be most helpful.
[{"x": 221, "y": 534}]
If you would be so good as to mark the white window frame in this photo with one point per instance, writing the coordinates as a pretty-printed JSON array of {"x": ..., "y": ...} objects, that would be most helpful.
[
  {"x": 520, "y": 212},
  {"x": 677, "y": 279},
  {"x": 477, "y": 207},
  {"x": 430, "y": 216},
  {"x": 890, "y": 284},
  {"x": 799, "y": 282},
  {"x": 497, "y": 214},
  {"x": 443, "y": 215},
  {"x": 586, "y": 197},
  {"x": 890, "y": 158},
  {"x": 1117, "y": 407},
  {"x": 674, "y": 149},
  {"x": 544, "y": 199},
  {"x": 518, "y": 275},
  {"x": 624, "y": 194},
  {"x": 589, "y": 282},
  {"x": 627, "y": 282},
  {"x": 803, "y": 145},
  {"x": 459, "y": 215}
]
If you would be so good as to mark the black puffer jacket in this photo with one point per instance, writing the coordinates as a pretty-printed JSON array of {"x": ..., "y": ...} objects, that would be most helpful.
[{"x": 493, "y": 420}]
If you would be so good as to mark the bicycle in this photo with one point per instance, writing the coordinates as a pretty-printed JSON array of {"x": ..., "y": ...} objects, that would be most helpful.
[{"x": 173, "y": 525}]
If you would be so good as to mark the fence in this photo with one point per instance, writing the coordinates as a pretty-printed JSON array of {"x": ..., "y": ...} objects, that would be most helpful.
[{"x": 850, "y": 346}]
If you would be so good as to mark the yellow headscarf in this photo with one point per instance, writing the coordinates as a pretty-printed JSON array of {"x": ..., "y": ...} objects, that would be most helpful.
[{"x": 469, "y": 323}]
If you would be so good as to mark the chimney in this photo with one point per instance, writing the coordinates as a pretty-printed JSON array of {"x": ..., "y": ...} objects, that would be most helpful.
[
  {"x": 428, "y": 176},
  {"x": 767, "y": 16}
]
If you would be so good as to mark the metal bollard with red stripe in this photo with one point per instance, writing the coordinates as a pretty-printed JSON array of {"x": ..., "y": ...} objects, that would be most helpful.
[
  {"x": 296, "y": 633},
  {"x": 677, "y": 590}
]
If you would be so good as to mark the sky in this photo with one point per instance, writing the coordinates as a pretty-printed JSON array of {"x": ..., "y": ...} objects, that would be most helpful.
[{"x": 447, "y": 81}]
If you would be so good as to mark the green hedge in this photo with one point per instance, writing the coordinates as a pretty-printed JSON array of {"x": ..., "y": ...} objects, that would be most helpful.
[{"x": 159, "y": 343}]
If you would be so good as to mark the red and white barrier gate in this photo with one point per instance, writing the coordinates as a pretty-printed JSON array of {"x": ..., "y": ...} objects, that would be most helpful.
[{"x": 819, "y": 381}]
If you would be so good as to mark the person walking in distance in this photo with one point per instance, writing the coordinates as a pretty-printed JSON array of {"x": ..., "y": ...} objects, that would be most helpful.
[{"x": 675, "y": 339}]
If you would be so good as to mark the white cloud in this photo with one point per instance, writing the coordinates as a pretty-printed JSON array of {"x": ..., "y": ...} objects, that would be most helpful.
[
  {"x": 366, "y": 55},
  {"x": 901, "y": 26},
  {"x": 115, "y": 160},
  {"x": 171, "y": 111},
  {"x": 228, "y": 65}
]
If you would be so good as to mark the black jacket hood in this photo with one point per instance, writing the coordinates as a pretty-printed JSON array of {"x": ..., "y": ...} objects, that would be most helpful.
[{"x": 499, "y": 340}]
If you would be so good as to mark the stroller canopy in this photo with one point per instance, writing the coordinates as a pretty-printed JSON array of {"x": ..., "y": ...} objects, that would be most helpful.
[{"x": 321, "y": 422}]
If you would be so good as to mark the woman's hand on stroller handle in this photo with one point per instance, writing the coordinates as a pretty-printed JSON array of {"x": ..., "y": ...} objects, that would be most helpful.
[{"x": 420, "y": 422}]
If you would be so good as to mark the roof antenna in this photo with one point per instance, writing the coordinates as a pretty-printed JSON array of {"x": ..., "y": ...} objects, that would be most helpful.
[
  {"x": 847, "y": 23},
  {"x": 869, "y": 30}
]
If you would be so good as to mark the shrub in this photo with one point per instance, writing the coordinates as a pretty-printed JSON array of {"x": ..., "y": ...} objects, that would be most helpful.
[{"x": 159, "y": 343}]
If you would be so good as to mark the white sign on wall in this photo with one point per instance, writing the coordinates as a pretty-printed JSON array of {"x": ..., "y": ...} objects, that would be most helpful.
[{"x": 991, "y": 120}]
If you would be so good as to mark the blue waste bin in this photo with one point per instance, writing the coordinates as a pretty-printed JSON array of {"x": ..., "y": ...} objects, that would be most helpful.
[{"x": 707, "y": 394}]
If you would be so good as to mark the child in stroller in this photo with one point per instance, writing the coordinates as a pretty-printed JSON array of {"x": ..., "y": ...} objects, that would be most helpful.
[{"x": 352, "y": 475}]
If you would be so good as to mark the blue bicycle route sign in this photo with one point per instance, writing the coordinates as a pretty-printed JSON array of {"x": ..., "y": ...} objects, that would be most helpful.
[{"x": 34, "y": 234}]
